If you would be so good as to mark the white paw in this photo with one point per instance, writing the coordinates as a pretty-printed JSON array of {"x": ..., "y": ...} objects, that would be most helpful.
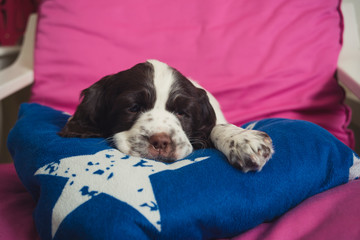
[{"x": 247, "y": 150}]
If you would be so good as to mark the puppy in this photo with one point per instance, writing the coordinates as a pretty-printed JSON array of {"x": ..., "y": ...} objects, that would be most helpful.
[{"x": 152, "y": 111}]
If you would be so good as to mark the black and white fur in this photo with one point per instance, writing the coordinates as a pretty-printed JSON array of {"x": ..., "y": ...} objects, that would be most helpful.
[{"x": 153, "y": 111}]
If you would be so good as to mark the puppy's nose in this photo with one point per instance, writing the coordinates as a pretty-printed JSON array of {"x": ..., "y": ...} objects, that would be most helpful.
[{"x": 160, "y": 141}]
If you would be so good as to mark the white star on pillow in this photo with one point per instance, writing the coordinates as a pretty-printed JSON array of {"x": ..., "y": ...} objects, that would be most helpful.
[{"x": 111, "y": 172}]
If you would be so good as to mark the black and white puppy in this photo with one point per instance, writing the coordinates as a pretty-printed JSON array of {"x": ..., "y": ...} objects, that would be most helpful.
[{"x": 152, "y": 111}]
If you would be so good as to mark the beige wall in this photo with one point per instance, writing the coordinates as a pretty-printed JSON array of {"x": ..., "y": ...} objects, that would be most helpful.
[
  {"x": 356, "y": 4},
  {"x": 10, "y": 106}
]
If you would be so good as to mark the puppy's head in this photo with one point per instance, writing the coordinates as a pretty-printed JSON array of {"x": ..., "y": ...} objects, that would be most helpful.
[{"x": 150, "y": 111}]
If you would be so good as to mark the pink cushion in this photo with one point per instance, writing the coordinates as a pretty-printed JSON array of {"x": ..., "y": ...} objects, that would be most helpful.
[
  {"x": 334, "y": 214},
  {"x": 16, "y": 207},
  {"x": 259, "y": 58}
]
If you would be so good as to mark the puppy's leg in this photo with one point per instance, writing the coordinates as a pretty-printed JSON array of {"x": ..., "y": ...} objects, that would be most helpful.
[{"x": 246, "y": 149}]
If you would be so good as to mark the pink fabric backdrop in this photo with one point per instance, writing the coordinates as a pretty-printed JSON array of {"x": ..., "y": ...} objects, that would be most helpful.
[{"x": 259, "y": 58}]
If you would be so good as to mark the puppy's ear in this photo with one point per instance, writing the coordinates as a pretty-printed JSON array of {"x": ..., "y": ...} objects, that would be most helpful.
[
  {"x": 86, "y": 121},
  {"x": 207, "y": 117}
]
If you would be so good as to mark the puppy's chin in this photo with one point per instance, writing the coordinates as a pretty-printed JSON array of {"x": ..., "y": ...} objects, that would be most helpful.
[
  {"x": 153, "y": 156},
  {"x": 161, "y": 158},
  {"x": 158, "y": 157}
]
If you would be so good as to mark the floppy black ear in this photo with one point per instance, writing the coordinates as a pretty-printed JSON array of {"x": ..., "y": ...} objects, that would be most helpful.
[
  {"x": 86, "y": 121},
  {"x": 207, "y": 119}
]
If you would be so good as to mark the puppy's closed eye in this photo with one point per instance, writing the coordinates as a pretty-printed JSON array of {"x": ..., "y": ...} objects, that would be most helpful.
[
  {"x": 135, "y": 108},
  {"x": 181, "y": 114}
]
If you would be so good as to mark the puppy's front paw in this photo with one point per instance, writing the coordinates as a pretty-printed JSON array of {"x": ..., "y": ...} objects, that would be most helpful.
[{"x": 247, "y": 150}]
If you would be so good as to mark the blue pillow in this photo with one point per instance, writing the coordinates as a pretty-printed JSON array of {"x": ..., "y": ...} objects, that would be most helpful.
[{"x": 85, "y": 189}]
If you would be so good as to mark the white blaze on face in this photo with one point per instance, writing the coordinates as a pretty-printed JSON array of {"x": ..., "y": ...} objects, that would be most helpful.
[{"x": 163, "y": 80}]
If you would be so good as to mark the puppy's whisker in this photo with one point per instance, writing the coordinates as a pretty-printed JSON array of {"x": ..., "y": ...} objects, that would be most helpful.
[
  {"x": 110, "y": 141},
  {"x": 198, "y": 141}
]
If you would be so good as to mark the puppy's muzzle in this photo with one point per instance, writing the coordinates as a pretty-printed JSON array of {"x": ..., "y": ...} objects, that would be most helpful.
[{"x": 161, "y": 147}]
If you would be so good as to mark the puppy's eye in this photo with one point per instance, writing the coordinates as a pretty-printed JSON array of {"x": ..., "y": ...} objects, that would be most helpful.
[
  {"x": 134, "y": 108},
  {"x": 180, "y": 114}
]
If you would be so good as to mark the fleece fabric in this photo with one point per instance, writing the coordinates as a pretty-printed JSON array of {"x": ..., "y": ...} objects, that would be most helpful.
[{"x": 85, "y": 189}]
